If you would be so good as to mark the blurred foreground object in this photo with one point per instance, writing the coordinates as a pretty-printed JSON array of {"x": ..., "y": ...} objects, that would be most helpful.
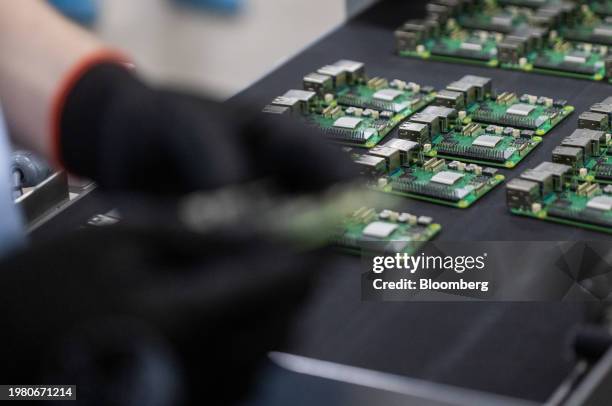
[
  {"x": 175, "y": 303},
  {"x": 150, "y": 315},
  {"x": 169, "y": 142},
  {"x": 28, "y": 170},
  {"x": 84, "y": 12},
  {"x": 225, "y": 6}
]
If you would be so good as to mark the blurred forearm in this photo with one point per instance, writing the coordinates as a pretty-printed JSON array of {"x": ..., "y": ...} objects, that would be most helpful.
[{"x": 38, "y": 48}]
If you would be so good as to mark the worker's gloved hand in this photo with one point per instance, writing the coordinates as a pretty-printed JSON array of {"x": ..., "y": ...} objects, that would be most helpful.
[
  {"x": 148, "y": 316},
  {"x": 126, "y": 135}
]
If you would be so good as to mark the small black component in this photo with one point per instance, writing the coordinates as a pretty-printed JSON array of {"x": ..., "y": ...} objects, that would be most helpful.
[
  {"x": 345, "y": 134},
  {"x": 560, "y": 103},
  {"x": 527, "y": 133},
  {"x": 603, "y": 171},
  {"x": 489, "y": 172},
  {"x": 470, "y": 151},
  {"x": 485, "y": 115}
]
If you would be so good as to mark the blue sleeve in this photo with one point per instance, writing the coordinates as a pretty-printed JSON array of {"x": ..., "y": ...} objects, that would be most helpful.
[{"x": 11, "y": 227}]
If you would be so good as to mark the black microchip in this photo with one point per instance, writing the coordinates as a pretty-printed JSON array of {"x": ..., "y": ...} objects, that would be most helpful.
[
  {"x": 527, "y": 133},
  {"x": 489, "y": 172},
  {"x": 560, "y": 103},
  {"x": 521, "y": 141}
]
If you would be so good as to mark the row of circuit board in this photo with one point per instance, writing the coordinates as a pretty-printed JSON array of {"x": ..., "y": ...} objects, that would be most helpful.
[
  {"x": 441, "y": 152},
  {"x": 575, "y": 187},
  {"x": 471, "y": 122},
  {"x": 448, "y": 141},
  {"x": 560, "y": 37}
]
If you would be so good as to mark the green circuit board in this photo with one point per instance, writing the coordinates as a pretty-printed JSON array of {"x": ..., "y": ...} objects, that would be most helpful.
[
  {"x": 349, "y": 107},
  {"x": 601, "y": 7},
  {"x": 588, "y": 149},
  {"x": 364, "y": 96},
  {"x": 456, "y": 46},
  {"x": 506, "y": 152},
  {"x": 564, "y": 58},
  {"x": 435, "y": 182},
  {"x": 494, "y": 18},
  {"x": 367, "y": 133},
  {"x": 372, "y": 128},
  {"x": 570, "y": 208},
  {"x": 385, "y": 231},
  {"x": 599, "y": 169},
  {"x": 556, "y": 192},
  {"x": 596, "y": 167},
  {"x": 535, "y": 116},
  {"x": 552, "y": 36}
]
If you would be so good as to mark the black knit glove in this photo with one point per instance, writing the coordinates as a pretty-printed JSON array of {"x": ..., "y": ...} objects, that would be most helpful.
[{"x": 128, "y": 136}]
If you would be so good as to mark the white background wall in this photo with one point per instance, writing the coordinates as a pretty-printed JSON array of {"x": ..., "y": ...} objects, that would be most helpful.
[{"x": 215, "y": 53}]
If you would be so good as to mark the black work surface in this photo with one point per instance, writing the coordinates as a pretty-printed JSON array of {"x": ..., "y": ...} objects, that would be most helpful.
[
  {"x": 519, "y": 350},
  {"x": 514, "y": 349}
]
